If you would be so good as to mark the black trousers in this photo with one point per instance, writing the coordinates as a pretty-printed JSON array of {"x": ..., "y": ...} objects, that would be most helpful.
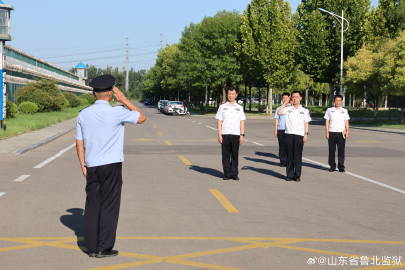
[
  {"x": 230, "y": 155},
  {"x": 103, "y": 190},
  {"x": 295, "y": 145},
  {"x": 282, "y": 146},
  {"x": 336, "y": 138}
]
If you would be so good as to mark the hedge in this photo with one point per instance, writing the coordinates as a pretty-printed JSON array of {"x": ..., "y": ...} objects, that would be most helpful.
[{"x": 28, "y": 107}]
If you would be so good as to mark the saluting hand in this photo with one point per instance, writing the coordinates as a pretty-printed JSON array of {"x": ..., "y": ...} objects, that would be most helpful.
[{"x": 118, "y": 93}]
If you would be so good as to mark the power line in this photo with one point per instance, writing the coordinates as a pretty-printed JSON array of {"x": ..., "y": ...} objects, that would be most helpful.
[
  {"x": 104, "y": 57},
  {"x": 95, "y": 52}
]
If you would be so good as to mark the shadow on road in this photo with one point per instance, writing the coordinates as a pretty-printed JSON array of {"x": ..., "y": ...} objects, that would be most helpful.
[
  {"x": 263, "y": 154},
  {"x": 205, "y": 170},
  {"x": 263, "y": 161},
  {"x": 75, "y": 222},
  {"x": 265, "y": 171}
]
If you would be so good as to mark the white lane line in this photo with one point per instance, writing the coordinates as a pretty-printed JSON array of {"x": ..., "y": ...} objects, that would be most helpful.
[
  {"x": 42, "y": 164},
  {"x": 2, "y": 193},
  {"x": 359, "y": 177},
  {"x": 211, "y": 127},
  {"x": 22, "y": 178},
  {"x": 259, "y": 144}
]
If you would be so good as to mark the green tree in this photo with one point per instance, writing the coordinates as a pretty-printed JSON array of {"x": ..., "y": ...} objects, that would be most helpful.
[
  {"x": 313, "y": 52},
  {"x": 268, "y": 39},
  {"x": 355, "y": 11}
]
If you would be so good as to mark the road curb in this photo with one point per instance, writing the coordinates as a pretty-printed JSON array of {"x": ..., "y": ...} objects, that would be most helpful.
[
  {"x": 380, "y": 130},
  {"x": 43, "y": 142}
]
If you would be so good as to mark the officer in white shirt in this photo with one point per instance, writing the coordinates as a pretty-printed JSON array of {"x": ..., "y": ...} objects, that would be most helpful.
[
  {"x": 296, "y": 129},
  {"x": 99, "y": 145},
  {"x": 336, "y": 132},
  {"x": 231, "y": 132}
]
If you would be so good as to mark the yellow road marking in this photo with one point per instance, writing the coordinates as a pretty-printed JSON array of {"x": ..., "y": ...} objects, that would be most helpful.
[
  {"x": 185, "y": 160},
  {"x": 167, "y": 142},
  {"x": 224, "y": 201},
  {"x": 252, "y": 243}
]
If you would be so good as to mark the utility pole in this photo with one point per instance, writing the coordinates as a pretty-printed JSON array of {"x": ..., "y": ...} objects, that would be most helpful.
[
  {"x": 126, "y": 66},
  {"x": 342, "y": 22}
]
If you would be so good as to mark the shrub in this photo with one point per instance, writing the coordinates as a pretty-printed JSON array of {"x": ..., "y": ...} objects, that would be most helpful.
[
  {"x": 43, "y": 93},
  {"x": 89, "y": 97},
  {"x": 73, "y": 100},
  {"x": 83, "y": 100},
  {"x": 37, "y": 96},
  {"x": 11, "y": 109},
  {"x": 28, "y": 107}
]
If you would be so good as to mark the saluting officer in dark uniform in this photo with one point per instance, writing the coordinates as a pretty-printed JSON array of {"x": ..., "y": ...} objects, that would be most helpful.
[
  {"x": 99, "y": 145},
  {"x": 336, "y": 132}
]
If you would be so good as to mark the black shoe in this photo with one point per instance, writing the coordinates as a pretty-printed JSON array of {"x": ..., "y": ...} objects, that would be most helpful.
[
  {"x": 92, "y": 254},
  {"x": 298, "y": 179},
  {"x": 332, "y": 170},
  {"x": 226, "y": 178},
  {"x": 107, "y": 253},
  {"x": 289, "y": 179},
  {"x": 236, "y": 178},
  {"x": 283, "y": 165},
  {"x": 342, "y": 170}
]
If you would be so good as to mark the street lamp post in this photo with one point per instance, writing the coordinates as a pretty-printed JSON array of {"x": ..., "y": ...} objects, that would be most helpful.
[
  {"x": 4, "y": 36},
  {"x": 342, "y": 21}
]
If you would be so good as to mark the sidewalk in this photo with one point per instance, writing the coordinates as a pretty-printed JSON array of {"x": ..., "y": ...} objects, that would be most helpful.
[{"x": 22, "y": 143}]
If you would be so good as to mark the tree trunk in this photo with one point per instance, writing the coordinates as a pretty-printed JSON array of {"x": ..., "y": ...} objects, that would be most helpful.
[
  {"x": 224, "y": 93},
  {"x": 320, "y": 100},
  {"x": 206, "y": 97},
  {"x": 376, "y": 109},
  {"x": 267, "y": 99},
  {"x": 250, "y": 98},
  {"x": 270, "y": 101},
  {"x": 402, "y": 115},
  {"x": 245, "y": 98},
  {"x": 306, "y": 97},
  {"x": 260, "y": 99}
]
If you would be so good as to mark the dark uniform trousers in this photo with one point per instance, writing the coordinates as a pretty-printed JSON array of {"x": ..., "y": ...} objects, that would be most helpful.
[
  {"x": 282, "y": 146},
  {"x": 230, "y": 155},
  {"x": 295, "y": 145},
  {"x": 336, "y": 138},
  {"x": 103, "y": 190}
]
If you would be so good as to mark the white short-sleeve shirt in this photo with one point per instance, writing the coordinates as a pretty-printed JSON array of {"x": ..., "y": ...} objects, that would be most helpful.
[
  {"x": 337, "y": 118},
  {"x": 295, "y": 120},
  {"x": 230, "y": 115}
]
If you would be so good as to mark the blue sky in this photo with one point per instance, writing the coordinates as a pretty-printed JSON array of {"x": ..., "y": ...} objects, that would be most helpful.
[{"x": 81, "y": 29}]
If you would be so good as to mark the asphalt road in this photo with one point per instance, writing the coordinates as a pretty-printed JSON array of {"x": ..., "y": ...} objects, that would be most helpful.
[{"x": 178, "y": 213}]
